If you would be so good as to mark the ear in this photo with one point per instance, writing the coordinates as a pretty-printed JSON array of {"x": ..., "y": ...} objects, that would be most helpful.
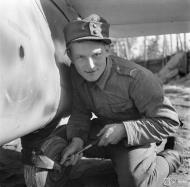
[{"x": 68, "y": 51}]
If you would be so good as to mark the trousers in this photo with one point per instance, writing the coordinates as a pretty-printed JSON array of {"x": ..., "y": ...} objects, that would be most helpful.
[{"x": 135, "y": 166}]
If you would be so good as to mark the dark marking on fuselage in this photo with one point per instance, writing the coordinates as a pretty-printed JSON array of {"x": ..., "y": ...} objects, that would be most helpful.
[
  {"x": 49, "y": 109},
  {"x": 21, "y": 52}
]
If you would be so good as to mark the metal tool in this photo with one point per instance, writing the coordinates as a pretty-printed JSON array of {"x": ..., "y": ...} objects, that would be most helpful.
[{"x": 93, "y": 143}]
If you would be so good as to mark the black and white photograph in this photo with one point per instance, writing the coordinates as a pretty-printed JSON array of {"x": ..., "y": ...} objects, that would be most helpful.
[{"x": 95, "y": 93}]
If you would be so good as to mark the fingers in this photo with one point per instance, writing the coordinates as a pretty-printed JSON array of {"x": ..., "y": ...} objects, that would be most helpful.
[
  {"x": 103, "y": 141},
  {"x": 110, "y": 134},
  {"x": 65, "y": 157},
  {"x": 73, "y": 159},
  {"x": 102, "y": 131},
  {"x": 102, "y": 135},
  {"x": 76, "y": 158},
  {"x": 69, "y": 160},
  {"x": 69, "y": 156},
  {"x": 68, "y": 151},
  {"x": 106, "y": 137}
]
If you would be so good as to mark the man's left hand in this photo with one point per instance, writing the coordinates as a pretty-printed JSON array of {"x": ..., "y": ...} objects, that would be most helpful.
[{"x": 111, "y": 134}]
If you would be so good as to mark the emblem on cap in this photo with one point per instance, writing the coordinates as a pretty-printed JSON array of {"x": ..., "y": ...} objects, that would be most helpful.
[
  {"x": 95, "y": 25},
  {"x": 95, "y": 29}
]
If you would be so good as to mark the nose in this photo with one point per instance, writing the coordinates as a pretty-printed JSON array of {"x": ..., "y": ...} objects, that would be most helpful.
[{"x": 91, "y": 63}]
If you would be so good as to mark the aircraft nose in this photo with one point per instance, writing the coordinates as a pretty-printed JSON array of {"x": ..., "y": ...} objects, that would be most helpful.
[{"x": 29, "y": 78}]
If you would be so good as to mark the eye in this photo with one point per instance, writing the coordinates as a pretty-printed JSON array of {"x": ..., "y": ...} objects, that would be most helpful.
[
  {"x": 97, "y": 54},
  {"x": 79, "y": 57}
]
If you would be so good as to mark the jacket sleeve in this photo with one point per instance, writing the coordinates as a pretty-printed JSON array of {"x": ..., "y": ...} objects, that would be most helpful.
[
  {"x": 79, "y": 121},
  {"x": 159, "y": 120}
]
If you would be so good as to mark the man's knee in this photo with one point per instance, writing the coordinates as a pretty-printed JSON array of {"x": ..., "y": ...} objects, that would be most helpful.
[
  {"x": 145, "y": 174},
  {"x": 138, "y": 172}
]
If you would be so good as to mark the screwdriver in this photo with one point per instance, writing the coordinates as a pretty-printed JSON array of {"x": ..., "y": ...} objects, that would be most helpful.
[{"x": 93, "y": 143}]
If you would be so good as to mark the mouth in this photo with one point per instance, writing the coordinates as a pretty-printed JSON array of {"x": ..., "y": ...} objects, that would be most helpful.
[{"x": 90, "y": 72}]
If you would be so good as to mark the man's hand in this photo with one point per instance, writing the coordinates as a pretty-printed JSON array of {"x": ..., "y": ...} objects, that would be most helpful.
[
  {"x": 69, "y": 155},
  {"x": 111, "y": 134}
]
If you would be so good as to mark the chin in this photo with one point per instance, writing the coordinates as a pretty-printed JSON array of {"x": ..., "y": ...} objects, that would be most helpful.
[{"x": 92, "y": 78}]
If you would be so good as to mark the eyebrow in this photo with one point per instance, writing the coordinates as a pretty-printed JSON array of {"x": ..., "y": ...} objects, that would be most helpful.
[{"x": 97, "y": 50}]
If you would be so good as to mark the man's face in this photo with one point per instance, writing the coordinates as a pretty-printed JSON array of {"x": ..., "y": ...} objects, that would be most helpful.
[{"x": 89, "y": 58}]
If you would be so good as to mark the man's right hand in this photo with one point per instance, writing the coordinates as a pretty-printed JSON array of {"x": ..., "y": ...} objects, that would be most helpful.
[{"x": 69, "y": 155}]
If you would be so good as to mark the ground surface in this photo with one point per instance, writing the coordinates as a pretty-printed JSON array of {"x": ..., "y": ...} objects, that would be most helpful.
[{"x": 179, "y": 93}]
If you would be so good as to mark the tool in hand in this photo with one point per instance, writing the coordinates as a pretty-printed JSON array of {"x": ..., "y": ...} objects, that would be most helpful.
[{"x": 93, "y": 143}]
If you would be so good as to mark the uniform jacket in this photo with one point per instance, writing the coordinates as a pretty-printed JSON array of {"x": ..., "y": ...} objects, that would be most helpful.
[{"x": 126, "y": 92}]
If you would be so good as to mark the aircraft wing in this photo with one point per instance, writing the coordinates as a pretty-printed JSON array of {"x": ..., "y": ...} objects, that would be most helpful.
[{"x": 139, "y": 17}]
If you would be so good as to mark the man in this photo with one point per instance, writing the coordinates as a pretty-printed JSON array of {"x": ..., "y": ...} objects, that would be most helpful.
[{"x": 133, "y": 116}]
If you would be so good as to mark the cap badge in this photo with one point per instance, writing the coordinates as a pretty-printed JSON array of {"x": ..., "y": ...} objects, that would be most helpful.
[
  {"x": 94, "y": 25},
  {"x": 95, "y": 29}
]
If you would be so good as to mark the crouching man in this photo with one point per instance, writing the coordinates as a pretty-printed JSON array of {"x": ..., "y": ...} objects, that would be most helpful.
[{"x": 133, "y": 116}]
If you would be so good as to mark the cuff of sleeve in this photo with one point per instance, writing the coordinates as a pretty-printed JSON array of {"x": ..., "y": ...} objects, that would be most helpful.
[{"x": 129, "y": 127}]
